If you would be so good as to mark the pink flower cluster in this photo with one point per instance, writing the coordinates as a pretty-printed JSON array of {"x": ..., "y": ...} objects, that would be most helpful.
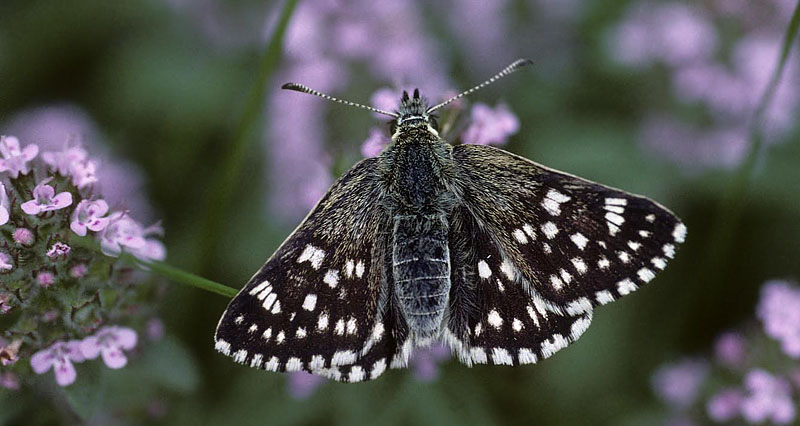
[
  {"x": 108, "y": 342},
  {"x": 684, "y": 37},
  {"x": 117, "y": 231},
  {"x": 779, "y": 310}
]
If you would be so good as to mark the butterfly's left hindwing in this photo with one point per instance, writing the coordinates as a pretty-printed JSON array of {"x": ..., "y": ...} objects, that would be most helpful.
[{"x": 315, "y": 304}]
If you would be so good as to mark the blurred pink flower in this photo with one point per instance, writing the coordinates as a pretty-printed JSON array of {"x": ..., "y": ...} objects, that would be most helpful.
[
  {"x": 779, "y": 310},
  {"x": 725, "y": 405},
  {"x": 9, "y": 380},
  {"x": 73, "y": 162},
  {"x": 6, "y": 262},
  {"x": 490, "y": 126},
  {"x": 23, "y": 236},
  {"x": 4, "y": 205},
  {"x": 730, "y": 350},
  {"x": 15, "y": 159},
  {"x": 375, "y": 143},
  {"x": 302, "y": 384},
  {"x": 109, "y": 342},
  {"x": 4, "y": 305},
  {"x": 768, "y": 398},
  {"x": 121, "y": 232},
  {"x": 425, "y": 361},
  {"x": 89, "y": 214},
  {"x": 45, "y": 199},
  {"x": 45, "y": 279},
  {"x": 59, "y": 356},
  {"x": 678, "y": 384}
]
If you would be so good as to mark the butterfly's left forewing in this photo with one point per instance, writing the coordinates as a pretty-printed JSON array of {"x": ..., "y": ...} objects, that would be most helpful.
[
  {"x": 544, "y": 248},
  {"x": 315, "y": 305}
]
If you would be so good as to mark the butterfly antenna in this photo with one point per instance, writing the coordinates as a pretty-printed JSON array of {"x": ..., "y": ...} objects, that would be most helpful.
[
  {"x": 519, "y": 63},
  {"x": 304, "y": 89}
]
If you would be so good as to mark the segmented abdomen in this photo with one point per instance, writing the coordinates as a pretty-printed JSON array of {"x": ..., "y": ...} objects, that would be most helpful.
[{"x": 421, "y": 269}]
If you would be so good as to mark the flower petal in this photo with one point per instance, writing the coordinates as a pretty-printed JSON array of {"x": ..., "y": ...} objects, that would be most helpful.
[
  {"x": 41, "y": 361},
  {"x": 31, "y": 207},
  {"x": 90, "y": 347},
  {"x": 114, "y": 358},
  {"x": 126, "y": 337},
  {"x": 3, "y": 215},
  {"x": 65, "y": 373},
  {"x": 62, "y": 200},
  {"x": 78, "y": 228}
]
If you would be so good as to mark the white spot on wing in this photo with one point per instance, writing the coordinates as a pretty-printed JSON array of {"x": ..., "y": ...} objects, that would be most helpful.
[
  {"x": 238, "y": 320},
  {"x": 351, "y": 326},
  {"x": 650, "y": 218},
  {"x": 548, "y": 348},
  {"x": 501, "y": 356},
  {"x": 626, "y": 286},
  {"x": 294, "y": 364},
  {"x": 579, "y": 239},
  {"x": 483, "y": 269},
  {"x": 300, "y": 333},
  {"x": 517, "y": 325},
  {"x": 253, "y": 328},
  {"x": 267, "y": 334},
  {"x": 679, "y": 234},
  {"x": 259, "y": 287},
  {"x": 256, "y": 361},
  {"x": 343, "y": 358},
  {"x": 478, "y": 355},
  {"x": 272, "y": 364},
  {"x": 615, "y": 218},
  {"x": 550, "y": 230},
  {"x": 276, "y": 308},
  {"x": 322, "y": 322},
  {"x": 310, "y": 302},
  {"x": 526, "y": 356},
  {"x": 669, "y": 250},
  {"x": 508, "y": 269},
  {"x": 360, "y": 269},
  {"x": 331, "y": 278},
  {"x": 267, "y": 305},
  {"x": 280, "y": 337},
  {"x": 579, "y": 306},
  {"x": 348, "y": 268},
  {"x": 603, "y": 297},
  {"x": 634, "y": 245},
  {"x": 603, "y": 263},
  {"x": 579, "y": 326},
  {"x": 356, "y": 374},
  {"x": 529, "y": 231},
  {"x": 556, "y": 282},
  {"x": 240, "y": 356},
  {"x": 617, "y": 201},
  {"x": 312, "y": 254},
  {"x": 624, "y": 256},
  {"x": 579, "y": 264},
  {"x": 339, "y": 327},
  {"x": 646, "y": 275},
  {"x": 520, "y": 236},
  {"x": 494, "y": 319},
  {"x": 378, "y": 368},
  {"x": 551, "y": 206},
  {"x": 659, "y": 262},
  {"x": 532, "y": 314},
  {"x": 223, "y": 347}
]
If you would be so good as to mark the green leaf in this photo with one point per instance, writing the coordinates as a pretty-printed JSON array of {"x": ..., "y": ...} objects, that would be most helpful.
[
  {"x": 87, "y": 394},
  {"x": 170, "y": 364}
]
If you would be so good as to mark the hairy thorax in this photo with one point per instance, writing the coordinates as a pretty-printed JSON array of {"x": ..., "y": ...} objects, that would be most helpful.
[{"x": 416, "y": 171}]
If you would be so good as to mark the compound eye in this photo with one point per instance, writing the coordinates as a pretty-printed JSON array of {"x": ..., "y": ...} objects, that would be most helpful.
[{"x": 434, "y": 122}]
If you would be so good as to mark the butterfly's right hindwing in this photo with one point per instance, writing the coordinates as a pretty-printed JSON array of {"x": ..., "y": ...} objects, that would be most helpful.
[{"x": 315, "y": 305}]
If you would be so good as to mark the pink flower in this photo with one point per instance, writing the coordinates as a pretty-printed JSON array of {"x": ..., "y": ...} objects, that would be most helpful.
[
  {"x": 78, "y": 271},
  {"x": 779, "y": 310},
  {"x": 725, "y": 405},
  {"x": 152, "y": 249},
  {"x": 6, "y": 262},
  {"x": 58, "y": 250},
  {"x": 490, "y": 126},
  {"x": 3, "y": 205},
  {"x": 302, "y": 384},
  {"x": 89, "y": 215},
  {"x": 426, "y": 362},
  {"x": 9, "y": 381},
  {"x": 63, "y": 161},
  {"x": 678, "y": 384},
  {"x": 729, "y": 349},
  {"x": 109, "y": 342},
  {"x": 768, "y": 397},
  {"x": 46, "y": 199},
  {"x": 59, "y": 356},
  {"x": 375, "y": 143},
  {"x": 9, "y": 354},
  {"x": 72, "y": 162},
  {"x": 121, "y": 232},
  {"x": 4, "y": 305},
  {"x": 15, "y": 160},
  {"x": 23, "y": 236},
  {"x": 45, "y": 279}
]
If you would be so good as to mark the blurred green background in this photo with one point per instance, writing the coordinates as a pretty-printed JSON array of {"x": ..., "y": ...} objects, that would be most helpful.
[{"x": 166, "y": 84}]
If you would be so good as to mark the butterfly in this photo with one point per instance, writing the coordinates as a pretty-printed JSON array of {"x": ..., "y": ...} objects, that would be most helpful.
[{"x": 499, "y": 258}]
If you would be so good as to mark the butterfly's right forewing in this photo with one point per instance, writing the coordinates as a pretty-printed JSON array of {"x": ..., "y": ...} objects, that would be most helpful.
[{"x": 316, "y": 303}]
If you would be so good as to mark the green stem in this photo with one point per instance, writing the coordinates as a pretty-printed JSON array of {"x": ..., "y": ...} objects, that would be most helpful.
[
  {"x": 180, "y": 276},
  {"x": 734, "y": 200},
  {"x": 223, "y": 187}
]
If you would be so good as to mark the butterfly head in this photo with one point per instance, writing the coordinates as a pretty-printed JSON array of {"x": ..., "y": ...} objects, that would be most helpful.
[{"x": 413, "y": 113}]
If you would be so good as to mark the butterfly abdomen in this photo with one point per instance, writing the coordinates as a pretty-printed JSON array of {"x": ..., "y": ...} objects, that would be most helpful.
[{"x": 421, "y": 271}]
